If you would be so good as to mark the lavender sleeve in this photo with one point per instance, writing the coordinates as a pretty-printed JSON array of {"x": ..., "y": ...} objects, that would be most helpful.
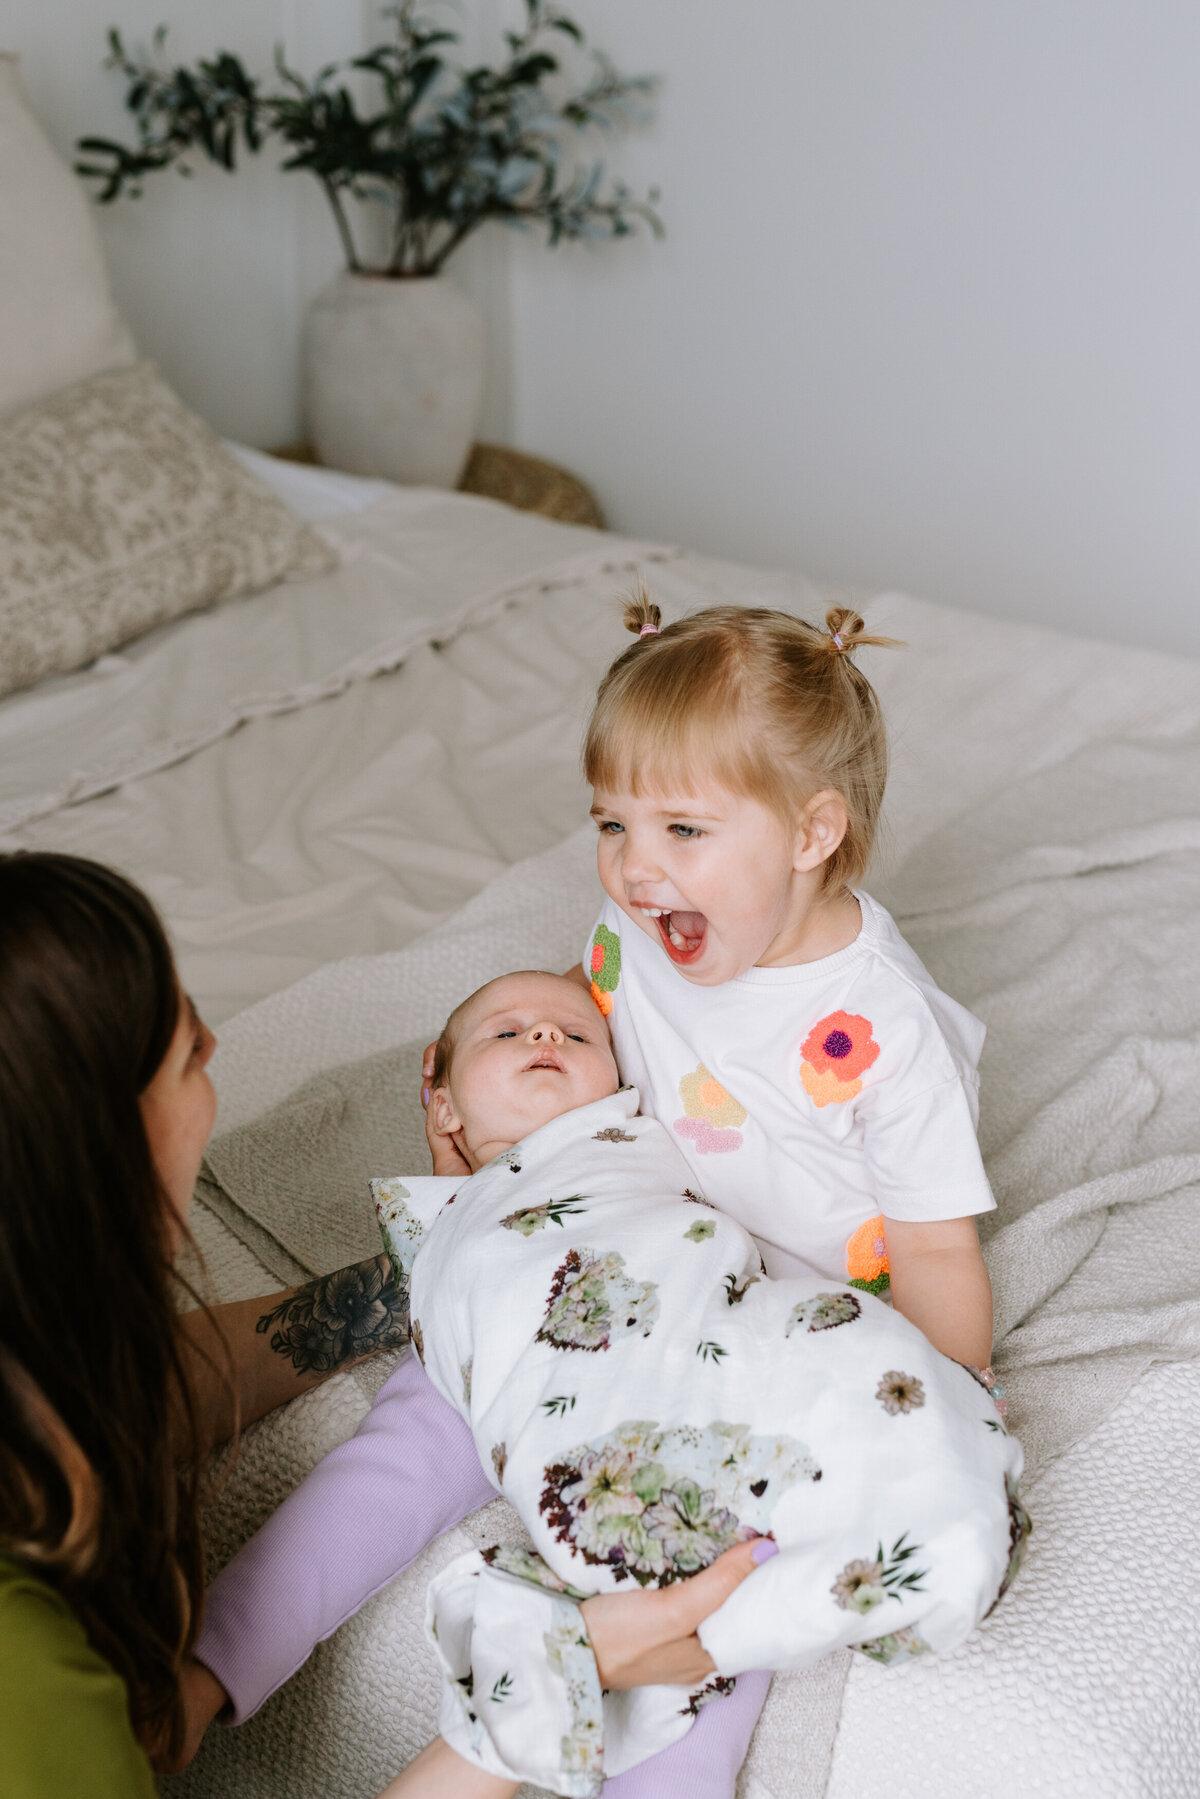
[{"x": 364, "y": 1513}]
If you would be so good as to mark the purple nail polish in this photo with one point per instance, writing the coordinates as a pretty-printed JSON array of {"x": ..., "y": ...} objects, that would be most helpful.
[
  {"x": 425, "y": 1097},
  {"x": 764, "y": 1549}
]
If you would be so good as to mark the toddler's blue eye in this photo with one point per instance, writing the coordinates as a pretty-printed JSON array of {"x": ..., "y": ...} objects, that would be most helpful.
[
  {"x": 686, "y": 832},
  {"x": 506, "y": 1033},
  {"x": 610, "y": 827}
]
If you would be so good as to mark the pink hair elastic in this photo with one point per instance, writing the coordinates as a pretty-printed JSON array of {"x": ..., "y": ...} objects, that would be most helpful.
[
  {"x": 837, "y": 638},
  {"x": 648, "y": 631}
]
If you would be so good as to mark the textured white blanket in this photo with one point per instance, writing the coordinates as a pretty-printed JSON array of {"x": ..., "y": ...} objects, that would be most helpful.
[{"x": 1051, "y": 888}]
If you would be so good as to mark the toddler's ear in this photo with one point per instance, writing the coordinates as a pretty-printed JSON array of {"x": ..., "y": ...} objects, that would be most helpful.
[
  {"x": 441, "y": 1110},
  {"x": 823, "y": 824}
]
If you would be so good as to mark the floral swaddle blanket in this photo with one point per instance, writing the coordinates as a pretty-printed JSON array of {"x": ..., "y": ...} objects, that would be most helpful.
[{"x": 646, "y": 1398}]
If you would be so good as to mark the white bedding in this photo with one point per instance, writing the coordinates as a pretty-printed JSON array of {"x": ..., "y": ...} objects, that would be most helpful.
[
  {"x": 1062, "y": 903},
  {"x": 281, "y": 806},
  {"x": 279, "y": 833}
]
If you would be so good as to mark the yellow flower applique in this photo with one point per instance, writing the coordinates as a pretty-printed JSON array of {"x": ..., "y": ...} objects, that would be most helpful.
[{"x": 712, "y": 1115}]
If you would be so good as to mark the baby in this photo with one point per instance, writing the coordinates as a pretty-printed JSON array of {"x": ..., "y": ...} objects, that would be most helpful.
[{"x": 647, "y": 1399}]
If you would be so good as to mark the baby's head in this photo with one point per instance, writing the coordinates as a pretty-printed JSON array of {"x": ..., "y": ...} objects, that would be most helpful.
[
  {"x": 520, "y": 1051},
  {"x": 738, "y": 760}
]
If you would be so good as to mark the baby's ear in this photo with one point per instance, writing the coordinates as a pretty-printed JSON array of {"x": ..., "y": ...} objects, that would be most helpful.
[{"x": 441, "y": 1110}]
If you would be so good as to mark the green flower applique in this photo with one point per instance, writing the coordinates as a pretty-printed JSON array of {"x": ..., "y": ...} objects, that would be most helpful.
[{"x": 605, "y": 967}]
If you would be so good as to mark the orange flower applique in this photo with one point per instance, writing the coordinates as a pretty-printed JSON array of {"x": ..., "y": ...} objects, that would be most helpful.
[
  {"x": 713, "y": 1115},
  {"x": 867, "y": 1258},
  {"x": 836, "y": 1053}
]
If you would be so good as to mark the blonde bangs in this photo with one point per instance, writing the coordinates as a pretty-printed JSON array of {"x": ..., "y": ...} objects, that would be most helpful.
[{"x": 677, "y": 724}]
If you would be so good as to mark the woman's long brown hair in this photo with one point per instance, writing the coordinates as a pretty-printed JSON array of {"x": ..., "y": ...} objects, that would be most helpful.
[{"x": 98, "y": 1442}]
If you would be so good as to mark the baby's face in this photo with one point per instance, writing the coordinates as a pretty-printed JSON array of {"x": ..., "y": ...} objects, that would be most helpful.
[{"x": 530, "y": 1047}]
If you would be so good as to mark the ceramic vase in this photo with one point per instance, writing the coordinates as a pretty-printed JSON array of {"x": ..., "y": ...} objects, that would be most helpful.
[{"x": 393, "y": 377}]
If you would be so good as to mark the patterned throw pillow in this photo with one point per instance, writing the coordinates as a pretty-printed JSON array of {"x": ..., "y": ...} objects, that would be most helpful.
[{"x": 119, "y": 510}]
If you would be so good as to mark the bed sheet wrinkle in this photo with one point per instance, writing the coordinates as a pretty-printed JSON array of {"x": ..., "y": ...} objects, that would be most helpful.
[
  {"x": 414, "y": 566},
  {"x": 354, "y": 825}
]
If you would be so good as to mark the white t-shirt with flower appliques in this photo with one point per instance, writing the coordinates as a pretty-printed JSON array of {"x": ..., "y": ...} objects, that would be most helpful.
[{"x": 812, "y": 1101}]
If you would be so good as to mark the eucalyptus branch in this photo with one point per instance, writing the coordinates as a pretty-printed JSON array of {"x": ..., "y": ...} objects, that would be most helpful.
[
  {"x": 343, "y": 225},
  {"x": 451, "y": 244},
  {"x": 447, "y": 148}
]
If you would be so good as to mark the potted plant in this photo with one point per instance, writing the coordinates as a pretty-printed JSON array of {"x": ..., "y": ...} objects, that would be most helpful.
[{"x": 393, "y": 354}]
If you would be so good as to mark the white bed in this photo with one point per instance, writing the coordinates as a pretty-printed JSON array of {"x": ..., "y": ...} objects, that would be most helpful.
[{"x": 352, "y": 811}]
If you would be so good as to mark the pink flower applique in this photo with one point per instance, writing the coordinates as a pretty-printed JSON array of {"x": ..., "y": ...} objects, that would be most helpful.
[{"x": 710, "y": 1139}]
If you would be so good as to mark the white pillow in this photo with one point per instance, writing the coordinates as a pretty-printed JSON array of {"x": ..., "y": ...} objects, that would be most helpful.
[
  {"x": 119, "y": 510},
  {"x": 58, "y": 322}
]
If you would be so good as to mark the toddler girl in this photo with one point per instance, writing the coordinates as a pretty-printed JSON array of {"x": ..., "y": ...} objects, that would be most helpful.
[
  {"x": 820, "y": 1086},
  {"x": 819, "y": 1083},
  {"x": 647, "y": 1400}
]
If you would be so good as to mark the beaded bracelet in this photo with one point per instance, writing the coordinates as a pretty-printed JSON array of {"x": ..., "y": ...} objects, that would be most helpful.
[{"x": 987, "y": 1378}]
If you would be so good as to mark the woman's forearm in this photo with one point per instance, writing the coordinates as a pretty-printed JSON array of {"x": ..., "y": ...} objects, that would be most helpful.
[{"x": 270, "y": 1349}]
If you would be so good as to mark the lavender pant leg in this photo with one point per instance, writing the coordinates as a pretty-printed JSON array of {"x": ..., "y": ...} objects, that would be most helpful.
[
  {"x": 362, "y": 1515},
  {"x": 704, "y": 1764}
]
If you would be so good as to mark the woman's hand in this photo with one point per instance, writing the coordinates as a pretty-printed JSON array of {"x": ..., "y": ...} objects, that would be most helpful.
[
  {"x": 446, "y": 1159},
  {"x": 647, "y": 1638},
  {"x": 202, "y": 1696}
]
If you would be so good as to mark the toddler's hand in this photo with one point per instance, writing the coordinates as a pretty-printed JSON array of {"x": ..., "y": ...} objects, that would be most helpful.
[{"x": 446, "y": 1159}]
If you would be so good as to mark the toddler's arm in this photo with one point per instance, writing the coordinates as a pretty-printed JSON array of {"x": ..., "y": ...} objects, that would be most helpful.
[
  {"x": 360, "y": 1517},
  {"x": 939, "y": 1280}
]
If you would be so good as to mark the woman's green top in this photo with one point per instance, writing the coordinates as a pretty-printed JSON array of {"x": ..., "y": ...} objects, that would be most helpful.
[{"x": 64, "y": 1712}]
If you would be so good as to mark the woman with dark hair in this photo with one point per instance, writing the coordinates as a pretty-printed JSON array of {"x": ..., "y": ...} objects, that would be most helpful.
[{"x": 110, "y": 1397}]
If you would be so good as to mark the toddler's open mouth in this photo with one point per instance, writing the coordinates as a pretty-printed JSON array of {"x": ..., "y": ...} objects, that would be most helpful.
[
  {"x": 682, "y": 935},
  {"x": 545, "y": 1058}
]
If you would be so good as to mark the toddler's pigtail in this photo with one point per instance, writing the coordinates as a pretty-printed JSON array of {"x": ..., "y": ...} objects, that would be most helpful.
[
  {"x": 642, "y": 617},
  {"x": 847, "y": 633}
]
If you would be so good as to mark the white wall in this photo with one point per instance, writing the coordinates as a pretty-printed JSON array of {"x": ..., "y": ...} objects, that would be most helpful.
[
  {"x": 929, "y": 310},
  {"x": 214, "y": 274},
  {"x": 928, "y": 313}
]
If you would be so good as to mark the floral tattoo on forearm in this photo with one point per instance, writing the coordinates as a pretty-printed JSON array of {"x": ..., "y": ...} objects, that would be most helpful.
[{"x": 340, "y": 1317}]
